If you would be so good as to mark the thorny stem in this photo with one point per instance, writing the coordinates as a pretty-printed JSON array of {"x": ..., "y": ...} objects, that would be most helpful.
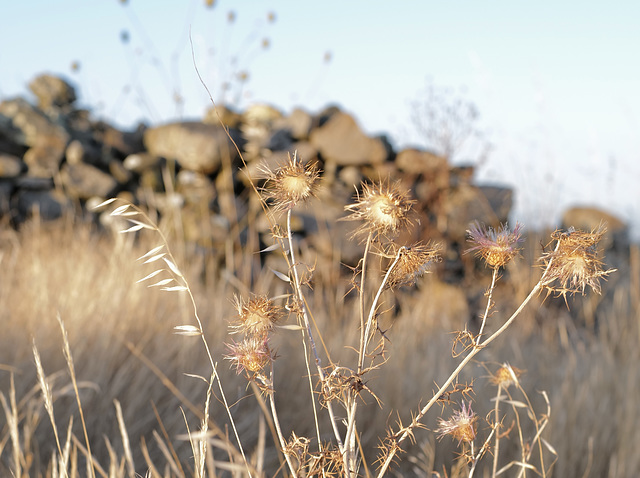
[
  {"x": 307, "y": 325},
  {"x": 494, "y": 278},
  {"x": 374, "y": 305},
  {"x": 349, "y": 438},
  {"x": 406, "y": 432},
  {"x": 478, "y": 456},
  {"x": 496, "y": 419},
  {"x": 362, "y": 292}
]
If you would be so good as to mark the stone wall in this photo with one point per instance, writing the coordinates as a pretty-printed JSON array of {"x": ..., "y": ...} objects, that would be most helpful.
[{"x": 54, "y": 156}]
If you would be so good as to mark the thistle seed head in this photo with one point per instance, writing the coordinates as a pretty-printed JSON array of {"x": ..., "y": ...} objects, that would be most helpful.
[
  {"x": 496, "y": 247},
  {"x": 461, "y": 426},
  {"x": 506, "y": 376},
  {"x": 256, "y": 316},
  {"x": 291, "y": 184},
  {"x": 574, "y": 263},
  {"x": 383, "y": 207},
  {"x": 413, "y": 263},
  {"x": 250, "y": 355}
]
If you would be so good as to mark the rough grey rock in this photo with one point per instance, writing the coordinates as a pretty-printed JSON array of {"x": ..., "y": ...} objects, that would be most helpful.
[
  {"x": 83, "y": 152},
  {"x": 123, "y": 142},
  {"x": 463, "y": 205},
  {"x": 140, "y": 162},
  {"x": 52, "y": 91},
  {"x": 298, "y": 123},
  {"x": 415, "y": 161},
  {"x": 500, "y": 201},
  {"x": 82, "y": 181},
  {"x": 26, "y": 125},
  {"x": 10, "y": 166},
  {"x": 341, "y": 140},
  {"x": 229, "y": 117},
  {"x": 262, "y": 114},
  {"x": 29, "y": 127},
  {"x": 196, "y": 146},
  {"x": 6, "y": 190},
  {"x": 47, "y": 204}
]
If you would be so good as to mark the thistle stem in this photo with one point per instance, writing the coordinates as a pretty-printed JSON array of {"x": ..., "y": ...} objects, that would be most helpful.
[
  {"x": 494, "y": 278},
  {"x": 305, "y": 315}
]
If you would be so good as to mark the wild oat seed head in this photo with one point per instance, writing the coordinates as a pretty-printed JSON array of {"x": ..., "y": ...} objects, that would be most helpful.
[
  {"x": 291, "y": 184},
  {"x": 413, "y": 263},
  {"x": 383, "y": 207},
  {"x": 461, "y": 426},
  {"x": 506, "y": 376},
  {"x": 574, "y": 262},
  {"x": 250, "y": 355},
  {"x": 256, "y": 316},
  {"x": 496, "y": 247}
]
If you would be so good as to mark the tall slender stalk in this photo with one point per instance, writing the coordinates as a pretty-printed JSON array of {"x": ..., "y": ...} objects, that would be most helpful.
[{"x": 307, "y": 325}]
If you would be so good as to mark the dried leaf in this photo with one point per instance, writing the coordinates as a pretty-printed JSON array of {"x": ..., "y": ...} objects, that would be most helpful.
[
  {"x": 281, "y": 276},
  {"x": 272, "y": 247}
]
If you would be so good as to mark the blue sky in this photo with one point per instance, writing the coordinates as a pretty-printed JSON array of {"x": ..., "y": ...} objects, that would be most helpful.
[{"x": 556, "y": 83}]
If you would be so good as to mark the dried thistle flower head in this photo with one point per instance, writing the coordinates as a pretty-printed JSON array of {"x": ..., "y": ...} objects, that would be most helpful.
[
  {"x": 250, "y": 355},
  {"x": 461, "y": 426},
  {"x": 496, "y": 247},
  {"x": 574, "y": 262},
  {"x": 256, "y": 316},
  {"x": 383, "y": 207},
  {"x": 506, "y": 376},
  {"x": 413, "y": 263},
  {"x": 291, "y": 184}
]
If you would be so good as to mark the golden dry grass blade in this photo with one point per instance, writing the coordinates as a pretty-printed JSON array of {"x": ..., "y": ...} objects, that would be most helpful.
[
  {"x": 72, "y": 373},
  {"x": 125, "y": 440}
]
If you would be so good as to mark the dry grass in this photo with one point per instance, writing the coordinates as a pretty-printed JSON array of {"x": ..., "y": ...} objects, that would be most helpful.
[{"x": 130, "y": 367}]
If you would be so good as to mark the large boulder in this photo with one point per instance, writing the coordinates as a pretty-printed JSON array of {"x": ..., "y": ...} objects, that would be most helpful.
[
  {"x": 52, "y": 91},
  {"x": 82, "y": 181},
  {"x": 340, "y": 140},
  {"x": 466, "y": 204},
  {"x": 29, "y": 127},
  {"x": 196, "y": 146},
  {"x": 10, "y": 166}
]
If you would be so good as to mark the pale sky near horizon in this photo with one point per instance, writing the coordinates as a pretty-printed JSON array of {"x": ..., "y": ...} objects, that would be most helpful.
[{"x": 555, "y": 83}]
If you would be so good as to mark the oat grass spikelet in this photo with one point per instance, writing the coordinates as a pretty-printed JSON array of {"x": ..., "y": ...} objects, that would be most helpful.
[
  {"x": 496, "y": 247},
  {"x": 291, "y": 184},
  {"x": 574, "y": 262},
  {"x": 461, "y": 426},
  {"x": 257, "y": 316},
  {"x": 383, "y": 207}
]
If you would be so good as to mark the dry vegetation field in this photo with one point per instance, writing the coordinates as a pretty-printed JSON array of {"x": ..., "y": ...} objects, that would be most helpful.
[{"x": 137, "y": 392}]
